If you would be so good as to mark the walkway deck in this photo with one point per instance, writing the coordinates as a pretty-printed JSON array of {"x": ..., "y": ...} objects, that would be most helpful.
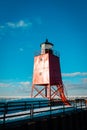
[{"x": 19, "y": 113}]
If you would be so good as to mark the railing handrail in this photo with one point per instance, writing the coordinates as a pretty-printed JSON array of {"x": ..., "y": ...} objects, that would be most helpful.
[{"x": 29, "y": 108}]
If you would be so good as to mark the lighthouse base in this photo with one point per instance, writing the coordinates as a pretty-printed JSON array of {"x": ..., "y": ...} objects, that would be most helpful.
[{"x": 49, "y": 92}]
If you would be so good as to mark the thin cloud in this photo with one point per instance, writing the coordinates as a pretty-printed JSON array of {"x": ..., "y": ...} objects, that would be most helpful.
[
  {"x": 16, "y": 25},
  {"x": 25, "y": 83},
  {"x": 24, "y": 87},
  {"x": 14, "y": 84},
  {"x": 2, "y": 84},
  {"x": 74, "y": 74},
  {"x": 84, "y": 80},
  {"x": 15, "y": 88},
  {"x": 19, "y": 24},
  {"x": 20, "y": 87},
  {"x": 7, "y": 84},
  {"x": 21, "y": 49},
  {"x": 12, "y": 25},
  {"x": 81, "y": 84},
  {"x": 75, "y": 86}
]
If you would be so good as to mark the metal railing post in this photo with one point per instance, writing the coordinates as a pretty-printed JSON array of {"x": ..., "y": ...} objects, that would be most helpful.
[
  {"x": 63, "y": 109},
  {"x": 50, "y": 108},
  {"x": 81, "y": 104},
  {"x": 25, "y": 105},
  {"x": 31, "y": 111},
  {"x": 5, "y": 111},
  {"x": 75, "y": 105},
  {"x": 39, "y": 104}
]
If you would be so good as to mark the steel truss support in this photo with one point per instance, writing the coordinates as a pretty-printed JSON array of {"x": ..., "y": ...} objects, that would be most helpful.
[{"x": 50, "y": 92}]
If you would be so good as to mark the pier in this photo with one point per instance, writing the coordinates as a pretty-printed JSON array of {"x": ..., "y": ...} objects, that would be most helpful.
[{"x": 43, "y": 115}]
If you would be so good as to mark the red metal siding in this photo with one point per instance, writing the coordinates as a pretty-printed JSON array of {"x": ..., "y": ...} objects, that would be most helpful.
[
  {"x": 41, "y": 69},
  {"x": 47, "y": 70},
  {"x": 55, "y": 72}
]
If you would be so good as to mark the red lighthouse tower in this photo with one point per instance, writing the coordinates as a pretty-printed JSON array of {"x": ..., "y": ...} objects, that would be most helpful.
[{"x": 47, "y": 80}]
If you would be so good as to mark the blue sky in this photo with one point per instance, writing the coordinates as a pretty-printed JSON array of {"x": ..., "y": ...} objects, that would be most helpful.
[{"x": 24, "y": 25}]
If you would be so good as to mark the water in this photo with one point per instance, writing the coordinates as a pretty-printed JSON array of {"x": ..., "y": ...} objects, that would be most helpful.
[{"x": 18, "y": 99}]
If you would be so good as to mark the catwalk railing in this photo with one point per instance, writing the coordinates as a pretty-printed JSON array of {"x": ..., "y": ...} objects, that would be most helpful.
[{"x": 30, "y": 110}]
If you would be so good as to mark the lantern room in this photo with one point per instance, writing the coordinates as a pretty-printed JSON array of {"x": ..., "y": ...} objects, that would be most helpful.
[{"x": 46, "y": 47}]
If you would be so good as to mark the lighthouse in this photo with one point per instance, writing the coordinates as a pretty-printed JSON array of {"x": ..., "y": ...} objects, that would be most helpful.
[{"x": 47, "y": 79}]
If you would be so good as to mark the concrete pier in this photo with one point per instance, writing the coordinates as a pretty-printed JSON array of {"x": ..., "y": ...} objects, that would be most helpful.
[
  {"x": 52, "y": 117},
  {"x": 68, "y": 121}
]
